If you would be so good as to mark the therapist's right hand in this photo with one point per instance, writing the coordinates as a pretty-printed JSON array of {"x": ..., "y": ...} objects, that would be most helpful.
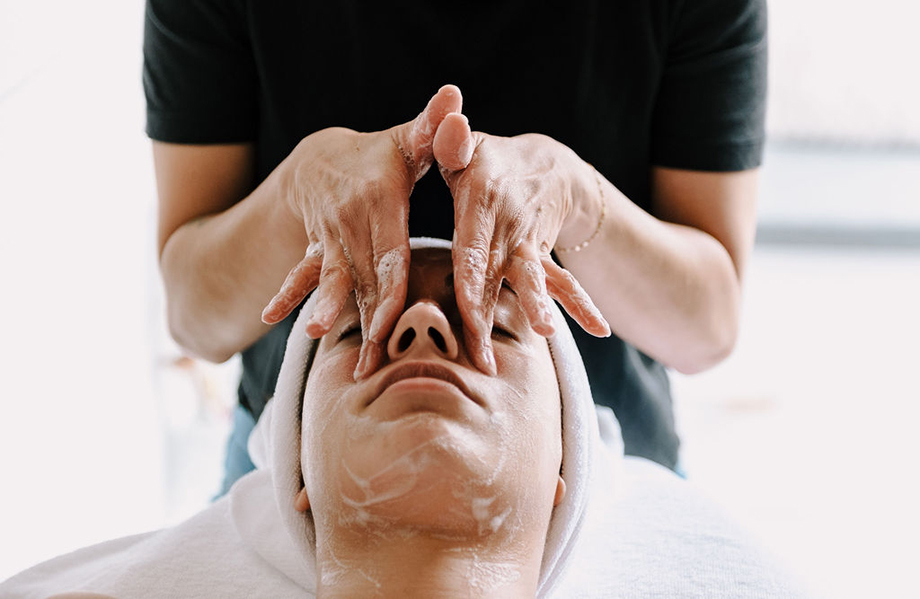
[{"x": 351, "y": 191}]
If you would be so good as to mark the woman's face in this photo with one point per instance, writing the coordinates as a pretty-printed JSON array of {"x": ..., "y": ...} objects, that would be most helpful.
[{"x": 428, "y": 442}]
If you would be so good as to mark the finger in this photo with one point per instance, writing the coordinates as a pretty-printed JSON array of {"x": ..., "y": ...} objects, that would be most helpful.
[
  {"x": 416, "y": 137},
  {"x": 491, "y": 288},
  {"x": 369, "y": 360},
  {"x": 561, "y": 285},
  {"x": 335, "y": 285},
  {"x": 300, "y": 281},
  {"x": 453, "y": 142},
  {"x": 470, "y": 253},
  {"x": 391, "y": 254},
  {"x": 358, "y": 249},
  {"x": 366, "y": 297},
  {"x": 527, "y": 278},
  {"x": 392, "y": 269}
]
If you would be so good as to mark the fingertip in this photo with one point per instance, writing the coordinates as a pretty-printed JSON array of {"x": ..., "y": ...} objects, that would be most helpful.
[
  {"x": 317, "y": 324},
  {"x": 605, "y": 328},
  {"x": 314, "y": 330},
  {"x": 450, "y": 90},
  {"x": 488, "y": 356},
  {"x": 384, "y": 317},
  {"x": 369, "y": 358},
  {"x": 453, "y": 142},
  {"x": 595, "y": 325},
  {"x": 544, "y": 329},
  {"x": 451, "y": 98},
  {"x": 274, "y": 313},
  {"x": 362, "y": 360}
]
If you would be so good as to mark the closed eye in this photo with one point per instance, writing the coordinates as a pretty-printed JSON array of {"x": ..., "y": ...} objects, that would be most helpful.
[
  {"x": 349, "y": 332},
  {"x": 498, "y": 331}
]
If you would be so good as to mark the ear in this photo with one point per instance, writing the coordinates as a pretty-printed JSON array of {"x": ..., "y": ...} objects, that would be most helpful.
[
  {"x": 302, "y": 502},
  {"x": 560, "y": 492}
]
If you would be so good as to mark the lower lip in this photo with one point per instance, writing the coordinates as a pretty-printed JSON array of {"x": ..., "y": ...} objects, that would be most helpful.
[{"x": 422, "y": 394}]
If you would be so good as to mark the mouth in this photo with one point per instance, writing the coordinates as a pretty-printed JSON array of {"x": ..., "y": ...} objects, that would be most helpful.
[{"x": 430, "y": 370}]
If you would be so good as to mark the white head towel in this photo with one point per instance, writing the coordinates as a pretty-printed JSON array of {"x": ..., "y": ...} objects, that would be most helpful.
[{"x": 581, "y": 440}]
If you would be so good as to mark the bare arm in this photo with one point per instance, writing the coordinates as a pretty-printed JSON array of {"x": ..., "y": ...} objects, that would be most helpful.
[
  {"x": 669, "y": 285},
  {"x": 223, "y": 253}
]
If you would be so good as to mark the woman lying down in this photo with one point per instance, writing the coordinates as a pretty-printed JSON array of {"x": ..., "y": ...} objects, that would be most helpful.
[{"x": 432, "y": 479}]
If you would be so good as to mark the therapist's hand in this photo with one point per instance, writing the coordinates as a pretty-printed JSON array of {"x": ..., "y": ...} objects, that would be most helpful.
[
  {"x": 351, "y": 191},
  {"x": 511, "y": 197}
]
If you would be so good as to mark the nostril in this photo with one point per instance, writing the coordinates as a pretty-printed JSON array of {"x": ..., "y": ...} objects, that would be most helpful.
[
  {"x": 438, "y": 339},
  {"x": 406, "y": 340}
]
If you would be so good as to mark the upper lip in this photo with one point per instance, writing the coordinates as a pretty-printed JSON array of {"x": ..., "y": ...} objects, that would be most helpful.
[{"x": 423, "y": 369}]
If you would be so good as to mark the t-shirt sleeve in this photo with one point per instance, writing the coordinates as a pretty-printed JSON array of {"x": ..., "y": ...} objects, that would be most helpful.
[
  {"x": 199, "y": 74},
  {"x": 710, "y": 108}
]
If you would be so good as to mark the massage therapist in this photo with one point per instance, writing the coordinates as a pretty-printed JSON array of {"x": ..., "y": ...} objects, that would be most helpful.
[{"x": 607, "y": 151}]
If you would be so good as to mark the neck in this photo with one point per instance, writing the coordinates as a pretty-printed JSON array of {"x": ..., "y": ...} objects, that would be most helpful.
[{"x": 408, "y": 566}]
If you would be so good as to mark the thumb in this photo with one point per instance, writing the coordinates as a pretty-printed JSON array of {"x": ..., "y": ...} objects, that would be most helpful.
[
  {"x": 453, "y": 143},
  {"x": 417, "y": 136}
]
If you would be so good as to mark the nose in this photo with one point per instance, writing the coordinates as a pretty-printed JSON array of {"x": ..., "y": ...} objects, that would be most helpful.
[{"x": 421, "y": 329}]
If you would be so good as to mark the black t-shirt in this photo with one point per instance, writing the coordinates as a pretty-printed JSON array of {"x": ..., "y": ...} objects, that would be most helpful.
[{"x": 627, "y": 84}]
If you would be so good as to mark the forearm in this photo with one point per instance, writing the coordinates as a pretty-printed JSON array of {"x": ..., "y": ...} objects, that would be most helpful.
[
  {"x": 220, "y": 270},
  {"x": 670, "y": 290}
]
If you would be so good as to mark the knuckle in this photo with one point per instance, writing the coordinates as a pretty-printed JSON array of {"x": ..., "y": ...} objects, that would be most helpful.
[
  {"x": 474, "y": 257},
  {"x": 336, "y": 270},
  {"x": 391, "y": 265},
  {"x": 343, "y": 212}
]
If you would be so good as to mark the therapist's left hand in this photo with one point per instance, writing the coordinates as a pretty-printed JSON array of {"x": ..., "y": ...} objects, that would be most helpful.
[{"x": 511, "y": 198}]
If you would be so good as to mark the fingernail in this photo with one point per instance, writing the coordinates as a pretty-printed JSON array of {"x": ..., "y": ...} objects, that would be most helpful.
[
  {"x": 312, "y": 331},
  {"x": 376, "y": 325},
  {"x": 313, "y": 327},
  {"x": 362, "y": 362},
  {"x": 376, "y": 357},
  {"x": 488, "y": 358},
  {"x": 376, "y": 334},
  {"x": 270, "y": 307},
  {"x": 546, "y": 330},
  {"x": 378, "y": 330},
  {"x": 370, "y": 357},
  {"x": 490, "y": 361}
]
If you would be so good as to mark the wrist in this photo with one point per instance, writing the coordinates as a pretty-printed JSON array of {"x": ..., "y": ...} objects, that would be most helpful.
[
  {"x": 587, "y": 213},
  {"x": 275, "y": 212},
  {"x": 287, "y": 181}
]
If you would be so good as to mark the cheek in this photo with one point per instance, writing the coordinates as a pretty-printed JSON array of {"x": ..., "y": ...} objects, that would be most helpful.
[
  {"x": 533, "y": 418},
  {"x": 324, "y": 425}
]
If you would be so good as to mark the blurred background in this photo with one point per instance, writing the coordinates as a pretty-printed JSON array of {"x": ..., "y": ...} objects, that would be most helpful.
[{"x": 807, "y": 434}]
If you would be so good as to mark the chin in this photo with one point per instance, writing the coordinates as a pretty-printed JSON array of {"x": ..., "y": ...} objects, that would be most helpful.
[{"x": 431, "y": 476}]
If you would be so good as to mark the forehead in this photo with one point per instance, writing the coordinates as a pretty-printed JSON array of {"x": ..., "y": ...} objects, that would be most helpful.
[{"x": 430, "y": 272}]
